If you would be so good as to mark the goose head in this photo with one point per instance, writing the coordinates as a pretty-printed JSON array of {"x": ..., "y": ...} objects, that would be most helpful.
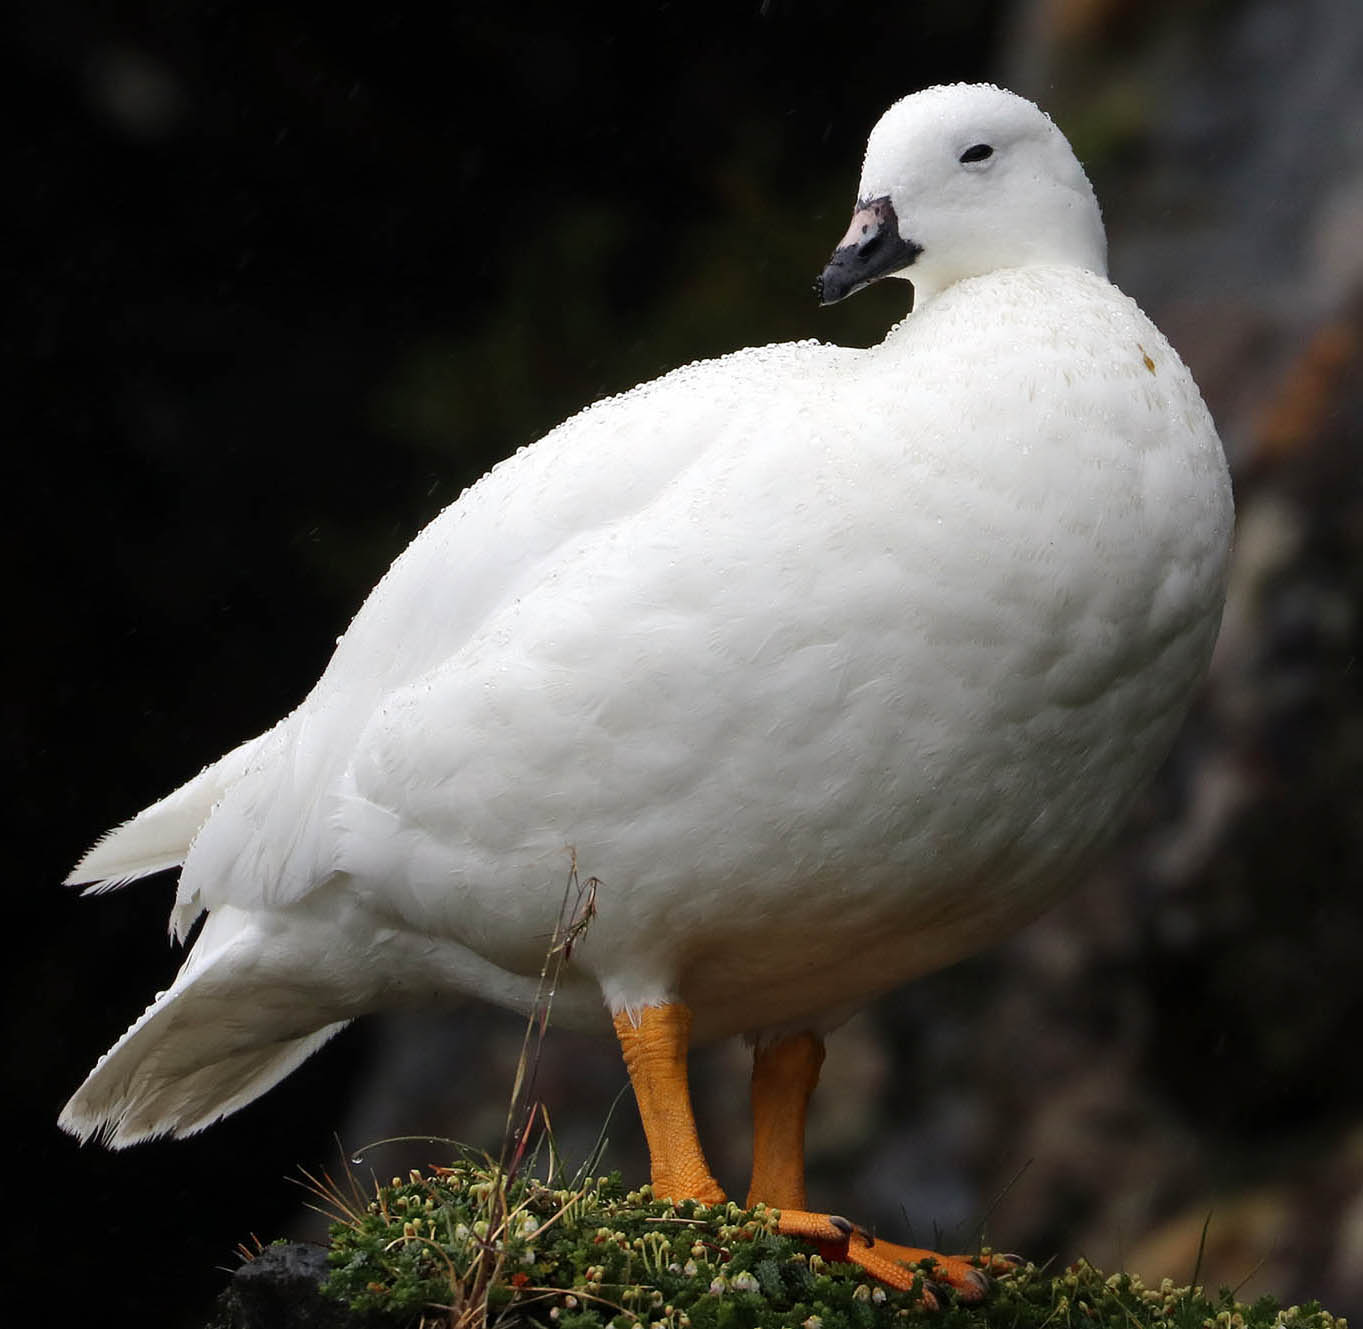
[{"x": 959, "y": 181}]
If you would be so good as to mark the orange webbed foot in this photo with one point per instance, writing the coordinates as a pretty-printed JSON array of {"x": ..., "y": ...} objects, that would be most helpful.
[{"x": 892, "y": 1264}]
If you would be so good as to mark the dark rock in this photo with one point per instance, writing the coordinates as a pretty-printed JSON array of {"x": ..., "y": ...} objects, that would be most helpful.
[{"x": 281, "y": 1289}]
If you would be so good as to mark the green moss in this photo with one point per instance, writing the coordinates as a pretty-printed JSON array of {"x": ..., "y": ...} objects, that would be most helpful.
[{"x": 591, "y": 1255}]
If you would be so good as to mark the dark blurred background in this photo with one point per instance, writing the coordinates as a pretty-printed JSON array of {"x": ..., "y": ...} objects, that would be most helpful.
[{"x": 287, "y": 278}]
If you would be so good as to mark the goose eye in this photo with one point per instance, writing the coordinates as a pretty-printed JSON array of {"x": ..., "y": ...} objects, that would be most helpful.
[{"x": 978, "y": 153}]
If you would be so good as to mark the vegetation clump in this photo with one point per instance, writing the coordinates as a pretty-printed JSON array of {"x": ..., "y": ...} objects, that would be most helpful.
[{"x": 468, "y": 1246}]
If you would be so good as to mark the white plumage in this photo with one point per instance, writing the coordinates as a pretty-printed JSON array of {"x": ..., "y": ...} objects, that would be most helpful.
[{"x": 831, "y": 666}]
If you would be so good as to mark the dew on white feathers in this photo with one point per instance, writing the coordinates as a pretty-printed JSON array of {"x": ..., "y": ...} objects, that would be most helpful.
[{"x": 868, "y": 649}]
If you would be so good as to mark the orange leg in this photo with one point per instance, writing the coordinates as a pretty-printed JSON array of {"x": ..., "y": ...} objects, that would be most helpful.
[
  {"x": 784, "y": 1074},
  {"x": 655, "y": 1048},
  {"x": 783, "y": 1077}
]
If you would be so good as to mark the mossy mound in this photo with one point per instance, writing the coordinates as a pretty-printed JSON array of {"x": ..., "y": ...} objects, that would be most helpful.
[{"x": 467, "y": 1246}]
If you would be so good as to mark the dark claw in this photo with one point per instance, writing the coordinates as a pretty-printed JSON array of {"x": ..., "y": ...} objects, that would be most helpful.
[
  {"x": 934, "y": 1293},
  {"x": 980, "y": 1281},
  {"x": 847, "y": 1228}
]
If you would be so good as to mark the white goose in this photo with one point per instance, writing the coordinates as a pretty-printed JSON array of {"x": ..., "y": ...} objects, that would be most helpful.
[{"x": 830, "y": 666}]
